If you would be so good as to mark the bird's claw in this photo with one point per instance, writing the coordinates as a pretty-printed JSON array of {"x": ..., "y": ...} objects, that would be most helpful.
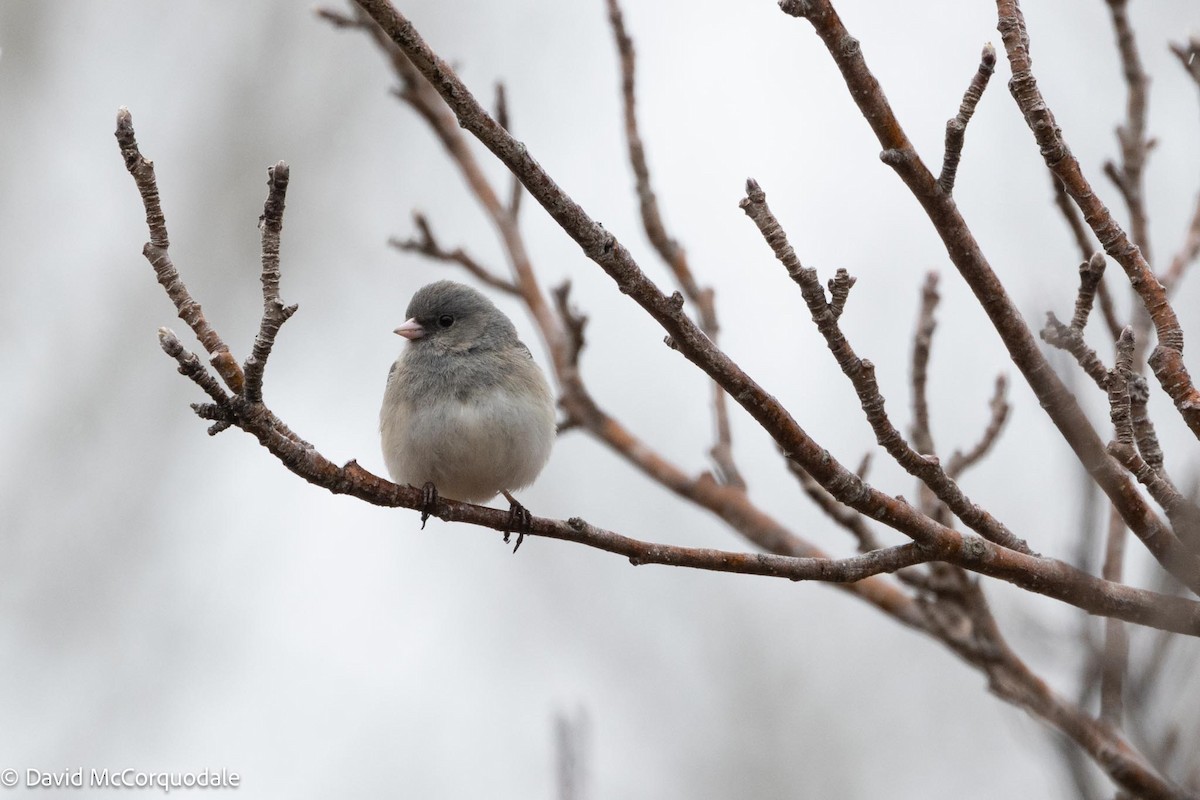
[
  {"x": 429, "y": 498},
  {"x": 519, "y": 521}
]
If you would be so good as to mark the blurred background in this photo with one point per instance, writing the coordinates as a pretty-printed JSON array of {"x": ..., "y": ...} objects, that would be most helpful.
[{"x": 175, "y": 602}]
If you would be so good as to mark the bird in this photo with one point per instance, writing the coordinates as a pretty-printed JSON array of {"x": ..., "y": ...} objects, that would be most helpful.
[{"x": 467, "y": 413}]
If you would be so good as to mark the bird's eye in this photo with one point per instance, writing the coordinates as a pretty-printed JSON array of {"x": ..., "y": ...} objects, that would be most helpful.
[{"x": 445, "y": 321}]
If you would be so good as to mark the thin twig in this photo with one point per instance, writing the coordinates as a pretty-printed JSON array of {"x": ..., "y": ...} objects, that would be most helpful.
[
  {"x": 847, "y": 518},
  {"x": 427, "y": 245},
  {"x": 1115, "y": 655},
  {"x": 516, "y": 190},
  {"x": 862, "y": 375},
  {"x": 956, "y": 127},
  {"x": 274, "y": 312},
  {"x": 964, "y": 251},
  {"x": 155, "y": 252},
  {"x": 667, "y": 247},
  {"x": 1131, "y": 134},
  {"x": 1188, "y": 251},
  {"x": 922, "y": 341},
  {"x": 959, "y": 461},
  {"x": 1086, "y": 243},
  {"x": 1167, "y": 362}
]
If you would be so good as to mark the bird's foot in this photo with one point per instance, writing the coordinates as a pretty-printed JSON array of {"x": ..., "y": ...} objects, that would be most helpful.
[
  {"x": 519, "y": 521},
  {"x": 429, "y": 498}
]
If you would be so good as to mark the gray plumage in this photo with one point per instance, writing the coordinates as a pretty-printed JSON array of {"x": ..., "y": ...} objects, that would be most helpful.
[{"x": 466, "y": 407}]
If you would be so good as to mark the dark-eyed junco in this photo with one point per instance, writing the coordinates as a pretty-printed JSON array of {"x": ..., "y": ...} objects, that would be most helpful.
[{"x": 466, "y": 407}]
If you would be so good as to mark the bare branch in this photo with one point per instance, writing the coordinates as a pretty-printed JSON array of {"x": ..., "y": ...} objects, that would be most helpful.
[
  {"x": 839, "y": 291},
  {"x": 1091, "y": 273},
  {"x": 1189, "y": 56},
  {"x": 1070, "y": 339},
  {"x": 155, "y": 252},
  {"x": 862, "y": 375},
  {"x": 1131, "y": 135},
  {"x": 963, "y": 250},
  {"x": 1168, "y": 366},
  {"x": 1115, "y": 656},
  {"x": 847, "y": 518},
  {"x": 922, "y": 341},
  {"x": 274, "y": 312},
  {"x": 667, "y": 247},
  {"x": 1188, "y": 251},
  {"x": 960, "y": 462},
  {"x": 427, "y": 245},
  {"x": 956, "y": 127},
  {"x": 1085, "y": 241},
  {"x": 517, "y": 191}
]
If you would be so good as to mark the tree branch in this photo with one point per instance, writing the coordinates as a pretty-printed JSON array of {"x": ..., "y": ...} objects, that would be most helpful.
[
  {"x": 274, "y": 312},
  {"x": 964, "y": 252},
  {"x": 155, "y": 252},
  {"x": 1167, "y": 361},
  {"x": 667, "y": 247},
  {"x": 956, "y": 127}
]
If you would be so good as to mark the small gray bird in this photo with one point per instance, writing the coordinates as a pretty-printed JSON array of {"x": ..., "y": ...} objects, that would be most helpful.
[{"x": 466, "y": 409}]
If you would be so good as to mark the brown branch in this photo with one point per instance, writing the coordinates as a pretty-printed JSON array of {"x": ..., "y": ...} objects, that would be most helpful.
[
  {"x": 1091, "y": 273},
  {"x": 960, "y": 462},
  {"x": 1084, "y": 240},
  {"x": 922, "y": 341},
  {"x": 517, "y": 190},
  {"x": 1189, "y": 57},
  {"x": 155, "y": 252},
  {"x": 964, "y": 252},
  {"x": 1143, "y": 428},
  {"x": 847, "y": 518},
  {"x": 956, "y": 127},
  {"x": 302, "y": 458},
  {"x": 862, "y": 375},
  {"x": 839, "y": 291},
  {"x": 1070, "y": 339},
  {"x": 1188, "y": 251},
  {"x": 1168, "y": 360},
  {"x": 1114, "y": 659},
  {"x": 667, "y": 247},
  {"x": 274, "y": 312},
  {"x": 1129, "y": 431},
  {"x": 427, "y": 245},
  {"x": 1131, "y": 135}
]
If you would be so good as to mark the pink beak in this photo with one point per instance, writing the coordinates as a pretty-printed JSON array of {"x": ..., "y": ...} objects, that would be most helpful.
[{"x": 411, "y": 329}]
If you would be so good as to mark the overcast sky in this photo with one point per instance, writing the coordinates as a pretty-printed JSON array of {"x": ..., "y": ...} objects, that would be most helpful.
[{"x": 174, "y": 601}]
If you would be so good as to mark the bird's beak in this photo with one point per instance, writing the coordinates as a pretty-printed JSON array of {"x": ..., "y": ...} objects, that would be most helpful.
[{"x": 411, "y": 329}]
